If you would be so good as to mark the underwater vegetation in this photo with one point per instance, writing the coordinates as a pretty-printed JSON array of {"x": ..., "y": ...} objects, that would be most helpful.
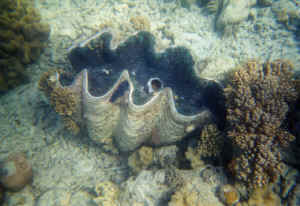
[
  {"x": 23, "y": 37},
  {"x": 257, "y": 102}
]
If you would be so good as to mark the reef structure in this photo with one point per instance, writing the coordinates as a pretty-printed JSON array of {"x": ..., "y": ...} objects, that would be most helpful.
[{"x": 131, "y": 95}]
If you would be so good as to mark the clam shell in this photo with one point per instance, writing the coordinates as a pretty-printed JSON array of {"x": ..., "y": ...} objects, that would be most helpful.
[{"x": 156, "y": 122}]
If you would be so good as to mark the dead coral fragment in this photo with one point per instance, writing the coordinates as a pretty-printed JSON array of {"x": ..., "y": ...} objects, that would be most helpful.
[{"x": 257, "y": 103}]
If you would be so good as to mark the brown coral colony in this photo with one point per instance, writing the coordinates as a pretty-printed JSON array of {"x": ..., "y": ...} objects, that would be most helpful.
[
  {"x": 23, "y": 37},
  {"x": 257, "y": 102}
]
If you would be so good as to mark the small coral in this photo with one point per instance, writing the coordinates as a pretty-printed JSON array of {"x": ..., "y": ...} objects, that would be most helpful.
[
  {"x": 141, "y": 159},
  {"x": 63, "y": 100},
  {"x": 48, "y": 82},
  {"x": 264, "y": 196},
  {"x": 257, "y": 102},
  {"x": 184, "y": 197},
  {"x": 208, "y": 145},
  {"x": 140, "y": 23},
  {"x": 229, "y": 195},
  {"x": 107, "y": 194},
  {"x": 23, "y": 37},
  {"x": 194, "y": 192}
]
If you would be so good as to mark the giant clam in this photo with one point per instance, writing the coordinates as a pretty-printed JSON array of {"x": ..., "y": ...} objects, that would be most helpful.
[{"x": 133, "y": 95}]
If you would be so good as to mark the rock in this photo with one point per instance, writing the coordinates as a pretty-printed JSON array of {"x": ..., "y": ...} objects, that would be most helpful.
[
  {"x": 54, "y": 196},
  {"x": 148, "y": 188},
  {"x": 16, "y": 172},
  {"x": 233, "y": 13},
  {"x": 214, "y": 68}
]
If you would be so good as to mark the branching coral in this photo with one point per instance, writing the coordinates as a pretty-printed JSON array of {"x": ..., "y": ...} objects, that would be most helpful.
[
  {"x": 22, "y": 36},
  {"x": 257, "y": 103}
]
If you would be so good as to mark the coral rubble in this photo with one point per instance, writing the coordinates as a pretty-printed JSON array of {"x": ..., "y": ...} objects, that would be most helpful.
[
  {"x": 195, "y": 190},
  {"x": 257, "y": 102},
  {"x": 23, "y": 37}
]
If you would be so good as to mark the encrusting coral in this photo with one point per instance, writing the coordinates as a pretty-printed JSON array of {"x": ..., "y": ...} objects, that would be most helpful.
[
  {"x": 257, "y": 102},
  {"x": 23, "y": 37}
]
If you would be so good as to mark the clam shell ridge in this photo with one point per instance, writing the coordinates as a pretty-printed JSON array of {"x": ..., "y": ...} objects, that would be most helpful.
[{"x": 156, "y": 122}]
